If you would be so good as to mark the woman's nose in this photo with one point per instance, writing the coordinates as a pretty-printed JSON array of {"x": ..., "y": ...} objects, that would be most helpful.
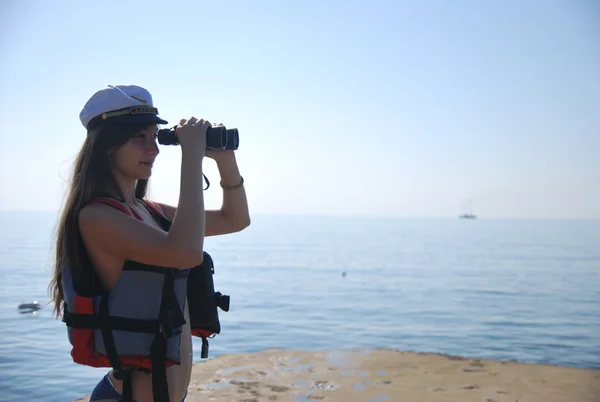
[{"x": 152, "y": 147}]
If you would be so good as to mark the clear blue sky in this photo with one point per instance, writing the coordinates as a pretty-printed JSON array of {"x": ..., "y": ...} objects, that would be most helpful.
[{"x": 422, "y": 108}]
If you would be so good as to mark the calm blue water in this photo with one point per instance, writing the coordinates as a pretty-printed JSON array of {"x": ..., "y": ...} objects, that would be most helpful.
[{"x": 521, "y": 290}]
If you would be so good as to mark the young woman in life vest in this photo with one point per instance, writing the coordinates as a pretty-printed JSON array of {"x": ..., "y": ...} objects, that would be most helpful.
[{"x": 115, "y": 259}]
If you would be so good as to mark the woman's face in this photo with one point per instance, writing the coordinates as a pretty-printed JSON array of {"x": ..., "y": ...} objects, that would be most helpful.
[{"x": 135, "y": 158}]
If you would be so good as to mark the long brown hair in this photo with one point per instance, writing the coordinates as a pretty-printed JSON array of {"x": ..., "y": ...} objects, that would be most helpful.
[{"x": 92, "y": 177}]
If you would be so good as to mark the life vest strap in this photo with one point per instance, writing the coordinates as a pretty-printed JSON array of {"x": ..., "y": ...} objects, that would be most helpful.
[
  {"x": 127, "y": 387},
  {"x": 153, "y": 207},
  {"x": 118, "y": 205},
  {"x": 158, "y": 349},
  {"x": 157, "y": 213},
  {"x": 204, "y": 349},
  {"x": 155, "y": 269},
  {"x": 87, "y": 321},
  {"x": 107, "y": 335}
]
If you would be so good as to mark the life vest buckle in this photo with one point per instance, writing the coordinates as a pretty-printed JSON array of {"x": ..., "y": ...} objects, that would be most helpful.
[
  {"x": 222, "y": 301},
  {"x": 166, "y": 330}
]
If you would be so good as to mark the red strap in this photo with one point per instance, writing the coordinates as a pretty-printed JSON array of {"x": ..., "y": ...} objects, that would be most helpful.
[
  {"x": 154, "y": 207},
  {"x": 118, "y": 205}
]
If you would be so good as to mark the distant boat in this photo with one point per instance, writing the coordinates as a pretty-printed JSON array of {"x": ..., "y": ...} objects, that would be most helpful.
[{"x": 467, "y": 216}]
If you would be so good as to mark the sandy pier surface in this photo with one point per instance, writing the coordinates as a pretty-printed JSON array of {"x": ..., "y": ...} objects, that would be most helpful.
[{"x": 384, "y": 375}]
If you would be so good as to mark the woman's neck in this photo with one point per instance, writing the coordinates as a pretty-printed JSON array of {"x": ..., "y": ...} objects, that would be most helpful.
[{"x": 127, "y": 187}]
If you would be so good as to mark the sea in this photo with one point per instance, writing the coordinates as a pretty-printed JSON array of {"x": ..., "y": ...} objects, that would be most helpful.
[{"x": 519, "y": 290}]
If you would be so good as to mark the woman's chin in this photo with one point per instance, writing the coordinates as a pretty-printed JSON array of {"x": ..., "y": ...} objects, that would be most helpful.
[{"x": 145, "y": 173}]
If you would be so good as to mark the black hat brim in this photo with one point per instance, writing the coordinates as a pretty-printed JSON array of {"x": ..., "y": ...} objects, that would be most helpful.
[
  {"x": 141, "y": 118},
  {"x": 127, "y": 119}
]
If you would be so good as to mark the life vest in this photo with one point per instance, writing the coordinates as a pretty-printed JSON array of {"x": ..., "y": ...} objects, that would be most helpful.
[{"x": 138, "y": 323}]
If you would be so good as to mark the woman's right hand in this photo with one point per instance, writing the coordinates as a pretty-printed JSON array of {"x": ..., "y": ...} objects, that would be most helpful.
[{"x": 192, "y": 134}]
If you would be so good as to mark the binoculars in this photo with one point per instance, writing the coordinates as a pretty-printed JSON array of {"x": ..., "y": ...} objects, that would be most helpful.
[{"x": 218, "y": 137}]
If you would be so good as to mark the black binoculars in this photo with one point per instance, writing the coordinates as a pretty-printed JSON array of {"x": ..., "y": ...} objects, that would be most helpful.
[{"x": 217, "y": 137}]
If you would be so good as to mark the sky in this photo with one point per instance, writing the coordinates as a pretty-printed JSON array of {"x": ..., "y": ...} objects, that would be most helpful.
[{"x": 389, "y": 108}]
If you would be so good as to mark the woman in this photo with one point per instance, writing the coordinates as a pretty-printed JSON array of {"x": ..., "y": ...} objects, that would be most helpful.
[{"x": 122, "y": 260}]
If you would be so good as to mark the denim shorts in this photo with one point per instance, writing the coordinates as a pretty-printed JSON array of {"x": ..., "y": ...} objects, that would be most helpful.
[{"x": 106, "y": 390}]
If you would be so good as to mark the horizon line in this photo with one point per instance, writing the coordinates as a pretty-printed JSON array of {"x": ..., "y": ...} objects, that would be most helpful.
[{"x": 367, "y": 215}]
